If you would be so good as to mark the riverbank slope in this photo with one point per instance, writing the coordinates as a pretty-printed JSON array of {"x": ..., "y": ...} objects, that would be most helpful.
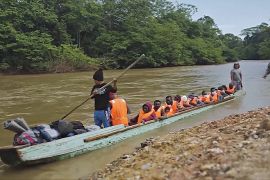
[{"x": 236, "y": 147}]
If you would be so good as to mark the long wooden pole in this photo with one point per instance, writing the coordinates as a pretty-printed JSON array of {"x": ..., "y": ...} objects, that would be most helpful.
[{"x": 92, "y": 95}]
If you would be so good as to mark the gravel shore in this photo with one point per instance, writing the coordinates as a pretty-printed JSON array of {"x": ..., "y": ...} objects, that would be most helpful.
[{"x": 236, "y": 147}]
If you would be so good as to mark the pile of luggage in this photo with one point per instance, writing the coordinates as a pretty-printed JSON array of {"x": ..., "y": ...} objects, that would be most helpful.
[{"x": 26, "y": 135}]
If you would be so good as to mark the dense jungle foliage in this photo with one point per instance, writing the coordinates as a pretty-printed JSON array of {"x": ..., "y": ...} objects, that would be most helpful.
[{"x": 66, "y": 35}]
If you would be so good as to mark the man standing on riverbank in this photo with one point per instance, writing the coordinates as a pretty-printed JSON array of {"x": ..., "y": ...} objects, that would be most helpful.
[
  {"x": 236, "y": 76},
  {"x": 267, "y": 71},
  {"x": 102, "y": 98}
]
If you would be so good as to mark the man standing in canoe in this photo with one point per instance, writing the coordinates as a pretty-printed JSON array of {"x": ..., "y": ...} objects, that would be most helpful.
[
  {"x": 102, "y": 98},
  {"x": 236, "y": 76}
]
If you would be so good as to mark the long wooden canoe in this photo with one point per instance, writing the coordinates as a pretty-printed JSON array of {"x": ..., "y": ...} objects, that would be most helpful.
[{"x": 82, "y": 143}]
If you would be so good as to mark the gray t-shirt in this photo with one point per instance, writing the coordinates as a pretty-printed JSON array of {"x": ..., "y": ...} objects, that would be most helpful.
[{"x": 236, "y": 75}]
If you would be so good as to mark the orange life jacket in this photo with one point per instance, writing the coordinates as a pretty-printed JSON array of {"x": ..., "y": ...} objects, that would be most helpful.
[
  {"x": 170, "y": 113},
  {"x": 119, "y": 112},
  {"x": 215, "y": 97},
  {"x": 194, "y": 101},
  {"x": 180, "y": 104},
  {"x": 158, "y": 112},
  {"x": 219, "y": 92},
  {"x": 175, "y": 107},
  {"x": 186, "y": 102},
  {"x": 206, "y": 98},
  {"x": 143, "y": 115},
  {"x": 166, "y": 105}
]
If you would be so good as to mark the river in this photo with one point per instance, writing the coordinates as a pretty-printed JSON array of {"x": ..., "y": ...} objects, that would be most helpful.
[{"x": 48, "y": 97}]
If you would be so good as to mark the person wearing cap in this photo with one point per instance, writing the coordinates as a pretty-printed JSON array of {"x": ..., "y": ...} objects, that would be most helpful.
[
  {"x": 119, "y": 110},
  {"x": 186, "y": 101},
  {"x": 236, "y": 76},
  {"x": 267, "y": 71},
  {"x": 102, "y": 98}
]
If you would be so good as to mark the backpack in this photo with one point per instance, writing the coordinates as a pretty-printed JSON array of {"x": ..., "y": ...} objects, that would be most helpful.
[
  {"x": 47, "y": 132},
  {"x": 27, "y": 137},
  {"x": 77, "y": 125},
  {"x": 64, "y": 128}
]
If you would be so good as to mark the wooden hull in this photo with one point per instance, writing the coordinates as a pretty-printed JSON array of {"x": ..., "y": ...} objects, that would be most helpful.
[{"x": 79, "y": 144}]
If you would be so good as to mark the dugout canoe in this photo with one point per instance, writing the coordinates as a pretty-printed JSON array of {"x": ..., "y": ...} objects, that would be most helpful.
[{"x": 72, "y": 146}]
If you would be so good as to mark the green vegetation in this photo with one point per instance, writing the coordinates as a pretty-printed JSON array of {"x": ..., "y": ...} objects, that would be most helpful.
[
  {"x": 66, "y": 35},
  {"x": 256, "y": 42}
]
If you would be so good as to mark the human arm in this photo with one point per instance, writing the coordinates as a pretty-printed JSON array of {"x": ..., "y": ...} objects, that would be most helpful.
[
  {"x": 162, "y": 112},
  {"x": 240, "y": 75},
  {"x": 134, "y": 120},
  {"x": 151, "y": 117},
  {"x": 114, "y": 87},
  {"x": 241, "y": 79},
  {"x": 93, "y": 92}
]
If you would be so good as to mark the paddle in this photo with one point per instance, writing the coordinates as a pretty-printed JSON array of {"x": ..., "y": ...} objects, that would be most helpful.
[{"x": 120, "y": 75}]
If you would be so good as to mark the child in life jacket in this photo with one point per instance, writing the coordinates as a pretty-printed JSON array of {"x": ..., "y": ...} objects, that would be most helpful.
[
  {"x": 168, "y": 111},
  {"x": 170, "y": 103}
]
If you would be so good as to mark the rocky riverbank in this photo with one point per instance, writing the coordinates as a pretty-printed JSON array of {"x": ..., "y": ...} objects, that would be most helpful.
[{"x": 236, "y": 147}]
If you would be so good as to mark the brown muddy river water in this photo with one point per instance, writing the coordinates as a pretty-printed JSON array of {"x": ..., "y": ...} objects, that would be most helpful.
[{"x": 45, "y": 98}]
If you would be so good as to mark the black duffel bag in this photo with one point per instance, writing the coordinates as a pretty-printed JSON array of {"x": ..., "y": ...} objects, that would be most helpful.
[
  {"x": 77, "y": 125},
  {"x": 63, "y": 127}
]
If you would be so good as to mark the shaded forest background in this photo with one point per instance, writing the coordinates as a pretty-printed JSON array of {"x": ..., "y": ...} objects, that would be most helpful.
[{"x": 71, "y": 35}]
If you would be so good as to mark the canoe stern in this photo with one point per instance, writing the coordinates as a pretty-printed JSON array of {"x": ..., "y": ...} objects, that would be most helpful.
[{"x": 10, "y": 156}]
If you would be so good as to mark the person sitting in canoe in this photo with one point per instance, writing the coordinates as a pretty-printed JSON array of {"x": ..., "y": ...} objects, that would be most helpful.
[
  {"x": 177, "y": 104},
  {"x": 147, "y": 113},
  {"x": 230, "y": 89},
  {"x": 173, "y": 104},
  {"x": 159, "y": 111},
  {"x": 186, "y": 101},
  {"x": 168, "y": 112},
  {"x": 214, "y": 94},
  {"x": 222, "y": 90},
  {"x": 206, "y": 98},
  {"x": 194, "y": 100},
  {"x": 119, "y": 110},
  {"x": 168, "y": 102},
  {"x": 101, "y": 96}
]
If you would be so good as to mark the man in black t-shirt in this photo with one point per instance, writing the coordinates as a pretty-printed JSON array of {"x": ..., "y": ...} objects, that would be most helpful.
[{"x": 102, "y": 98}]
